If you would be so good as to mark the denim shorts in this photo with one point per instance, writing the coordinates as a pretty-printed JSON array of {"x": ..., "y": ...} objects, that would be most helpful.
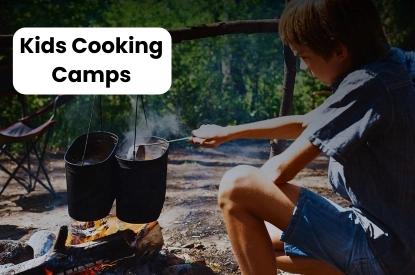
[{"x": 321, "y": 229}]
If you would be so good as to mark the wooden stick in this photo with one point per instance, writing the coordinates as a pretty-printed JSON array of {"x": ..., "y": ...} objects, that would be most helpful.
[{"x": 201, "y": 31}]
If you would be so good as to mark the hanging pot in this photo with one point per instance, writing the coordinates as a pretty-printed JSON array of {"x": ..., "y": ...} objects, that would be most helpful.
[
  {"x": 91, "y": 180},
  {"x": 141, "y": 187}
]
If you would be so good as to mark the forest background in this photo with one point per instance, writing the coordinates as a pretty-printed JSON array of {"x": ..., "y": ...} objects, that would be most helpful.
[{"x": 224, "y": 80}]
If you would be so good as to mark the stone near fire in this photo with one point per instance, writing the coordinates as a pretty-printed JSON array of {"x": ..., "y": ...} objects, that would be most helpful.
[
  {"x": 194, "y": 259},
  {"x": 14, "y": 252},
  {"x": 172, "y": 259},
  {"x": 41, "y": 242}
]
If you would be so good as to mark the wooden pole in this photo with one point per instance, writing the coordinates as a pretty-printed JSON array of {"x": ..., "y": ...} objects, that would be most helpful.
[
  {"x": 224, "y": 28},
  {"x": 201, "y": 31}
]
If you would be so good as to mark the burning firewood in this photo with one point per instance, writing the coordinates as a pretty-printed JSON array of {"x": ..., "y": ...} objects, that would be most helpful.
[{"x": 74, "y": 259}]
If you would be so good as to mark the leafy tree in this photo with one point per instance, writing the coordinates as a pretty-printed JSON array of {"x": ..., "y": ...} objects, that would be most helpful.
[{"x": 398, "y": 20}]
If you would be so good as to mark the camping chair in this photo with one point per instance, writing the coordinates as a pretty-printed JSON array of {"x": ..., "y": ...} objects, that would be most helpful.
[{"x": 24, "y": 131}]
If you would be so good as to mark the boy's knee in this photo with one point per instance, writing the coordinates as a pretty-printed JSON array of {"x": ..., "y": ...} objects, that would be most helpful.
[{"x": 235, "y": 183}]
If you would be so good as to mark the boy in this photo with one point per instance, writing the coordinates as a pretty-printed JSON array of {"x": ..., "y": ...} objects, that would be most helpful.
[{"x": 367, "y": 127}]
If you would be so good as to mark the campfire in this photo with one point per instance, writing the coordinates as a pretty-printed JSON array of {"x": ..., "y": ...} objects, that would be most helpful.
[
  {"x": 93, "y": 247},
  {"x": 97, "y": 243},
  {"x": 99, "y": 171},
  {"x": 83, "y": 232},
  {"x": 108, "y": 246}
]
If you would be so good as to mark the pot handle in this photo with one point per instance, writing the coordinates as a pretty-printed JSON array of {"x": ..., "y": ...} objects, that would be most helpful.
[{"x": 135, "y": 124}]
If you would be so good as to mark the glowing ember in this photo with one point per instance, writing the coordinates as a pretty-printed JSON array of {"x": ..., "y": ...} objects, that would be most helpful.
[
  {"x": 95, "y": 270},
  {"x": 82, "y": 232}
]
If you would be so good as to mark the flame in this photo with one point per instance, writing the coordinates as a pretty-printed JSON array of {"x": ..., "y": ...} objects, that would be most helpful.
[
  {"x": 48, "y": 272},
  {"x": 82, "y": 232},
  {"x": 91, "y": 271}
]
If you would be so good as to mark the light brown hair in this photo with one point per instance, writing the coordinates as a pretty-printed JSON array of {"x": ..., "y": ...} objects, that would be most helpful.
[{"x": 322, "y": 24}]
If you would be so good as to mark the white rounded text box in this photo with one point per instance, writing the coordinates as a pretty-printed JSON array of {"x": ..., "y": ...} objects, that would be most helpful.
[{"x": 92, "y": 60}]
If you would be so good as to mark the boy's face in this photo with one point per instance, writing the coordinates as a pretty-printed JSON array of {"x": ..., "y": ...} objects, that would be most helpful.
[{"x": 327, "y": 71}]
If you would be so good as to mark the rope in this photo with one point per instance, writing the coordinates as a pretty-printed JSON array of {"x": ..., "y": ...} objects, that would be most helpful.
[
  {"x": 100, "y": 111},
  {"x": 145, "y": 116},
  {"x": 135, "y": 124},
  {"x": 87, "y": 134}
]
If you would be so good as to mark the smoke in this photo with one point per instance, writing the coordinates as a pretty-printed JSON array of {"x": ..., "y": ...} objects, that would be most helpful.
[{"x": 165, "y": 126}]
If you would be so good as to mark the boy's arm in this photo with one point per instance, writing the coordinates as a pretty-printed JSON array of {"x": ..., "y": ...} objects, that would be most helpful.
[
  {"x": 285, "y": 166},
  {"x": 287, "y": 127}
]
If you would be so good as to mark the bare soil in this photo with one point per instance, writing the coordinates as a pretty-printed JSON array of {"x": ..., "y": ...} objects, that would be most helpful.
[{"x": 191, "y": 219}]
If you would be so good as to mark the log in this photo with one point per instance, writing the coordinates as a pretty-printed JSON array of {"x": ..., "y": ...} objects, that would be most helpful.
[
  {"x": 224, "y": 28},
  {"x": 77, "y": 258},
  {"x": 201, "y": 31}
]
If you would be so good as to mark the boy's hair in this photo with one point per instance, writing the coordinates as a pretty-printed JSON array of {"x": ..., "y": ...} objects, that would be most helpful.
[{"x": 322, "y": 24}]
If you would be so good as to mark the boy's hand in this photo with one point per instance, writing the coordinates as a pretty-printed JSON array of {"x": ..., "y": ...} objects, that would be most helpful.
[{"x": 209, "y": 135}]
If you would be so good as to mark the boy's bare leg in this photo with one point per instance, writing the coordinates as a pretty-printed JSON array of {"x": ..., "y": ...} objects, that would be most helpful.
[
  {"x": 247, "y": 199},
  {"x": 300, "y": 265}
]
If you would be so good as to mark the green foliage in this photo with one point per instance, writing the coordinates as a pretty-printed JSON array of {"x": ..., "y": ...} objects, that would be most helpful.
[
  {"x": 53, "y": 13},
  {"x": 398, "y": 21},
  {"x": 214, "y": 76},
  {"x": 304, "y": 98}
]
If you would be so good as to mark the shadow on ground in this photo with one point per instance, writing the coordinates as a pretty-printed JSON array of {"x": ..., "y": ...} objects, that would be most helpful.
[
  {"x": 13, "y": 232},
  {"x": 41, "y": 202}
]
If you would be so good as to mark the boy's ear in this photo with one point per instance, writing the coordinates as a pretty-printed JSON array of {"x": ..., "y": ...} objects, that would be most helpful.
[{"x": 341, "y": 52}]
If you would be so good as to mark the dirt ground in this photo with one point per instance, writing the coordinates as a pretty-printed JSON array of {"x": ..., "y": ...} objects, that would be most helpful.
[{"x": 190, "y": 214}]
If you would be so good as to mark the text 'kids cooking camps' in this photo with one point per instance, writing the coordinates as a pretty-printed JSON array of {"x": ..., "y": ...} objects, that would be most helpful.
[{"x": 92, "y": 60}]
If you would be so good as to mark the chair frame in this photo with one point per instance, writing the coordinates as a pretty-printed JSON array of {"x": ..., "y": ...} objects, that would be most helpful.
[
  {"x": 31, "y": 139},
  {"x": 12, "y": 175}
]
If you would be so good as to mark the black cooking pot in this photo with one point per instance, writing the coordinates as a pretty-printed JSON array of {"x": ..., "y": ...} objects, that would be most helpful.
[
  {"x": 141, "y": 187},
  {"x": 91, "y": 180}
]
